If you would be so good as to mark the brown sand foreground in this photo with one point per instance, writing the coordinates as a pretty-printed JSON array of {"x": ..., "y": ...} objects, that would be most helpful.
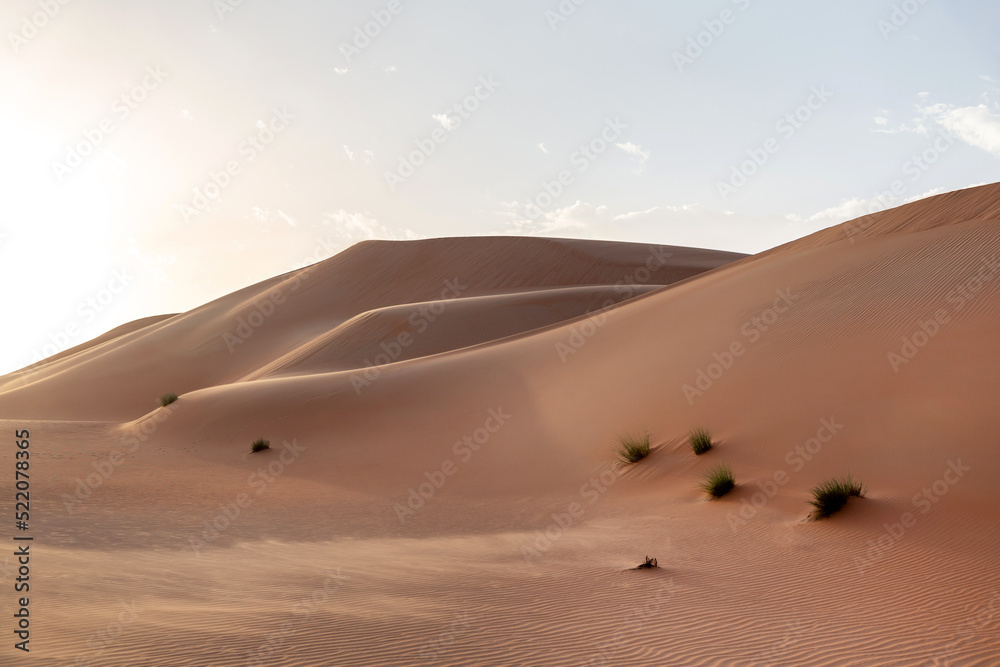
[{"x": 440, "y": 487}]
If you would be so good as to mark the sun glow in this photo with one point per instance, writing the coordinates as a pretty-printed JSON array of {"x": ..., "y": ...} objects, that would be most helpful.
[{"x": 62, "y": 231}]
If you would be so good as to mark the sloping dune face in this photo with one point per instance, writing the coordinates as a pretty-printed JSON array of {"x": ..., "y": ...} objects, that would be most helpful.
[
  {"x": 460, "y": 505},
  {"x": 828, "y": 323},
  {"x": 337, "y": 314}
]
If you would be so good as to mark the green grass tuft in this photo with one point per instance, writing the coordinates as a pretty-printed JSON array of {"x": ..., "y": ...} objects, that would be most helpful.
[
  {"x": 719, "y": 481},
  {"x": 632, "y": 448},
  {"x": 701, "y": 441},
  {"x": 167, "y": 399},
  {"x": 831, "y": 496},
  {"x": 260, "y": 444}
]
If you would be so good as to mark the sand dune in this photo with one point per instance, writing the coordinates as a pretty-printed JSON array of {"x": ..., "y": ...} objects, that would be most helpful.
[
  {"x": 236, "y": 336},
  {"x": 459, "y": 505}
]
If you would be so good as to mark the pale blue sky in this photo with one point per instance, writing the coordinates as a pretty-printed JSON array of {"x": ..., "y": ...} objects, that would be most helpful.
[{"x": 204, "y": 78}]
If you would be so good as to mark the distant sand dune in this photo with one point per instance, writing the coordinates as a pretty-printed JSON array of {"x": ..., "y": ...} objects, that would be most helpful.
[{"x": 238, "y": 335}]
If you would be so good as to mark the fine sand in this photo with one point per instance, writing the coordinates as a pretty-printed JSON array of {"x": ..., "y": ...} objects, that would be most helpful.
[{"x": 441, "y": 488}]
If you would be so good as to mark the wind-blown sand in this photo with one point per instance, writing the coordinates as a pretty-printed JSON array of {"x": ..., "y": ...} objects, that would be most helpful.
[{"x": 460, "y": 504}]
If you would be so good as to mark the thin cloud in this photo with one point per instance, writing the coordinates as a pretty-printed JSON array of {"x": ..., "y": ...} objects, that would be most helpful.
[
  {"x": 266, "y": 216},
  {"x": 978, "y": 126},
  {"x": 445, "y": 121},
  {"x": 884, "y": 125},
  {"x": 638, "y": 153},
  {"x": 691, "y": 225},
  {"x": 351, "y": 227}
]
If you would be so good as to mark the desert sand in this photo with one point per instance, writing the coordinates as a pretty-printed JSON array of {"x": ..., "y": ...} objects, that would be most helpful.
[{"x": 441, "y": 486}]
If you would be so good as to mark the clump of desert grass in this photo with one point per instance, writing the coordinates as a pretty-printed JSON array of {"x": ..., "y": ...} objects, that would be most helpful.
[
  {"x": 632, "y": 447},
  {"x": 701, "y": 441},
  {"x": 167, "y": 399},
  {"x": 831, "y": 496},
  {"x": 648, "y": 565},
  {"x": 260, "y": 444},
  {"x": 719, "y": 481}
]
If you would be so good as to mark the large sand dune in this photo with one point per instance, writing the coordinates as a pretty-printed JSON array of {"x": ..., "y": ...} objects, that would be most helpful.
[
  {"x": 351, "y": 302},
  {"x": 459, "y": 504}
]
